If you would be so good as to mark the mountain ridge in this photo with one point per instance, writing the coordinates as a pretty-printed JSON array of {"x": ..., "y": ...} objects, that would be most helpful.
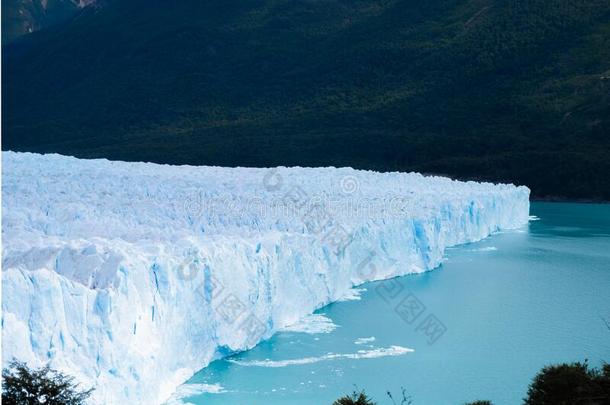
[{"x": 21, "y": 17}]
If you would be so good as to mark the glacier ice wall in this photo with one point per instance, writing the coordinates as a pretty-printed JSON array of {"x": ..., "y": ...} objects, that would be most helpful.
[{"x": 132, "y": 276}]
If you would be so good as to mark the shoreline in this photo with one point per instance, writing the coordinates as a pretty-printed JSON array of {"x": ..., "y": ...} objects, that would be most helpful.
[{"x": 568, "y": 200}]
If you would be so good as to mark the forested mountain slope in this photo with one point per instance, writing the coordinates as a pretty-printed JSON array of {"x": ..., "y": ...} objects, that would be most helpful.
[{"x": 501, "y": 90}]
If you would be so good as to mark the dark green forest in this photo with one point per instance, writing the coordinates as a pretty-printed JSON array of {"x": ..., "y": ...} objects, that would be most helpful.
[{"x": 500, "y": 90}]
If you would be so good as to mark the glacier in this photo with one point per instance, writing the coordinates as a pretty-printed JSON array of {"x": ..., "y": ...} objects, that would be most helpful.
[{"x": 133, "y": 276}]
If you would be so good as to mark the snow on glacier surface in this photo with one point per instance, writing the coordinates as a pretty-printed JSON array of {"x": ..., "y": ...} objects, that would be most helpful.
[{"x": 132, "y": 276}]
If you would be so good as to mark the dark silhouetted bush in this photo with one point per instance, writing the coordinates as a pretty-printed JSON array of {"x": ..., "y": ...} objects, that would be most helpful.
[
  {"x": 569, "y": 384},
  {"x": 356, "y": 398},
  {"x": 44, "y": 386}
]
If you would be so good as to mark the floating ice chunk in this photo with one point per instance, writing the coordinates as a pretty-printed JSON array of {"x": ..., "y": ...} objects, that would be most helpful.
[
  {"x": 313, "y": 323},
  {"x": 360, "y": 354},
  {"x": 179, "y": 397},
  {"x": 484, "y": 249},
  {"x": 362, "y": 341}
]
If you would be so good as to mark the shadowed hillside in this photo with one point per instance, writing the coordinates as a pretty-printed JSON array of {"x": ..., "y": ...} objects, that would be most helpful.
[
  {"x": 20, "y": 17},
  {"x": 499, "y": 90}
]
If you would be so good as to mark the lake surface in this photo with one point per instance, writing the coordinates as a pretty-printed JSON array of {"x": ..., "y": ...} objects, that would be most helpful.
[{"x": 480, "y": 326}]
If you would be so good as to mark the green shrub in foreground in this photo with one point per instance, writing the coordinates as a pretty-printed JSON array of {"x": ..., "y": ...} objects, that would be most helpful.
[
  {"x": 44, "y": 386},
  {"x": 567, "y": 384},
  {"x": 356, "y": 398}
]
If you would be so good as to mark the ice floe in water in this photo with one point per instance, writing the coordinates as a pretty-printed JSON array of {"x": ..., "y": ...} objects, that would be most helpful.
[
  {"x": 484, "y": 249},
  {"x": 189, "y": 390},
  {"x": 364, "y": 340},
  {"x": 313, "y": 323},
  {"x": 360, "y": 354}
]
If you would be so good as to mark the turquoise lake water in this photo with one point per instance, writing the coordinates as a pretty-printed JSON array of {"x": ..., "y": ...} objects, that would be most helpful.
[{"x": 507, "y": 305}]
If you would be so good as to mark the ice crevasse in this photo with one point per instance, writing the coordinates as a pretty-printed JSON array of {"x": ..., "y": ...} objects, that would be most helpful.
[{"x": 133, "y": 276}]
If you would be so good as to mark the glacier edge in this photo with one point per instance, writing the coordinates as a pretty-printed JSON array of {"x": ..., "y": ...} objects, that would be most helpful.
[{"x": 133, "y": 276}]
